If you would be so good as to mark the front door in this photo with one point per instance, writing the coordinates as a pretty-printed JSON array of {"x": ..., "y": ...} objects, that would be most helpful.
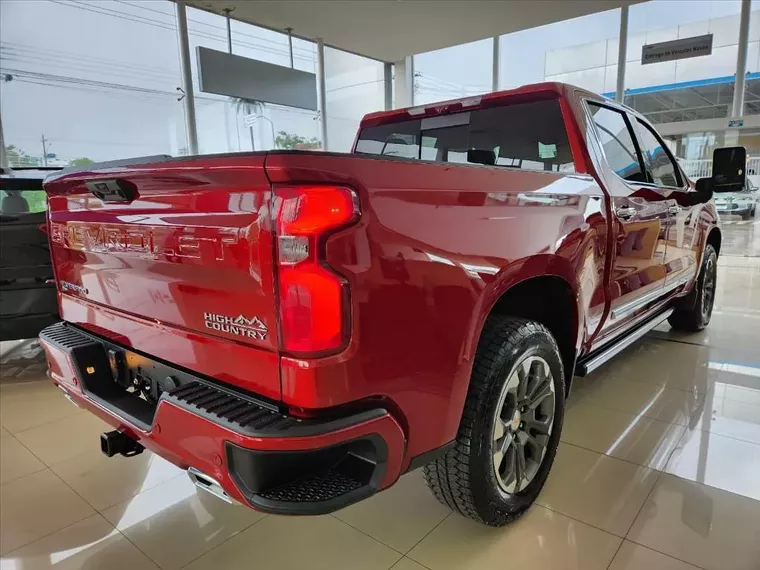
[
  {"x": 640, "y": 223},
  {"x": 682, "y": 234}
]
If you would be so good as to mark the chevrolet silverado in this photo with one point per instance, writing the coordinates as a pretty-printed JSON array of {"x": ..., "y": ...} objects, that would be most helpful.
[{"x": 297, "y": 329}]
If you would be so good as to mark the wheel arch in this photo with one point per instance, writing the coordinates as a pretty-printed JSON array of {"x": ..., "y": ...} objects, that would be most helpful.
[
  {"x": 715, "y": 238},
  {"x": 542, "y": 288}
]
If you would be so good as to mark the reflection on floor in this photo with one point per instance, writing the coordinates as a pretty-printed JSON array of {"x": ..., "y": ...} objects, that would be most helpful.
[{"x": 659, "y": 468}]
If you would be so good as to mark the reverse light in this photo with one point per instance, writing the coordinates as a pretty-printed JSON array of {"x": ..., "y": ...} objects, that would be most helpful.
[{"x": 313, "y": 298}]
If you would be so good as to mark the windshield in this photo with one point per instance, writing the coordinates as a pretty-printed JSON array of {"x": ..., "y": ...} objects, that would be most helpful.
[{"x": 529, "y": 135}]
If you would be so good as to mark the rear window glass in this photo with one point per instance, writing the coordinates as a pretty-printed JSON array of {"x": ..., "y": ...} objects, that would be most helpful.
[{"x": 530, "y": 136}]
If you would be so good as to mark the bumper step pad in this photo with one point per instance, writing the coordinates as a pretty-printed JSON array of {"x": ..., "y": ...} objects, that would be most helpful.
[
  {"x": 223, "y": 406},
  {"x": 315, "y": 488}
]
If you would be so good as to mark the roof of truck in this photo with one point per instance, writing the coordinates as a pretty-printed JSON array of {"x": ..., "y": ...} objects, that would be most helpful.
[{"x": 552, "y": 88}]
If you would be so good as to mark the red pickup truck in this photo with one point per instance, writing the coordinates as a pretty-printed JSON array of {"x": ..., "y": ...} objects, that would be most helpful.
[{"x": 299, "y": 329}]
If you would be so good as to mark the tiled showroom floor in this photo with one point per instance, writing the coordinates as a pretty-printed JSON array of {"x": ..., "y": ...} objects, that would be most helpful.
[{"x": 659, "y": 469}]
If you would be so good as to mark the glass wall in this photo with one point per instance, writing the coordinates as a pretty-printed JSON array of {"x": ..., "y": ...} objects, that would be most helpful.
[
  {"x": 453, "y": 72},
  {"x": 665, "y": 20},
  {"x": 553, "y": 53},
  {"x": 355, "y": 86},
  {"x": 97, "y": 80},
  {"x": 100, "y": 80},
  {"x": 229, "y": 124}
]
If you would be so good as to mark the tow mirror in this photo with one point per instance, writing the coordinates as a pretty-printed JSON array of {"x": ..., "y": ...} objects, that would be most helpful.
[{"x": 729, "y": 173}]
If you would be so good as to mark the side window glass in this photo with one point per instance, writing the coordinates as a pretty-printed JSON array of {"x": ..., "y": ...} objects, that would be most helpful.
[
  {"x": 617, "y": 141},
  {"x": 658, "y": 163}
]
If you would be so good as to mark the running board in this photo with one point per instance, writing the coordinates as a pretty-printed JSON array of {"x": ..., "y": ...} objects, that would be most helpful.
[{"x": 588, "y": 364}]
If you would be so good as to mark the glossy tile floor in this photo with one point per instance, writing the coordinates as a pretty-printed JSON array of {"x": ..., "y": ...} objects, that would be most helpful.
[{"x": 659, "y": 469}]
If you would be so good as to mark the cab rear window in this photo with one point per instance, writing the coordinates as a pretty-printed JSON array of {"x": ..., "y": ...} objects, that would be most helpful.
[{"x": 529, "y": 136}]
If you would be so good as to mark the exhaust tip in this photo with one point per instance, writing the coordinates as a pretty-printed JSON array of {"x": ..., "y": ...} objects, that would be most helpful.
[{"x": 210, "y": 485}]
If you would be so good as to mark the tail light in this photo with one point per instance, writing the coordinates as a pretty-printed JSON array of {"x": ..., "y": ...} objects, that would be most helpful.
[{"x": 313, "y": 298}]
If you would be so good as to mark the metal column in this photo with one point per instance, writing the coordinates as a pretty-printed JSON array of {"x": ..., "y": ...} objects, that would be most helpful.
[
  {"x": 388, "y": 85},
  {"x": 229, "y": 29},
  {"x": 409, "y": 79},
  {"x": 321, "y": 93},
  {"x": 290, "y": 45},
  {"x": 495, "y": 69},
  {"x": 187, "y": 78},
  {"x": 3, "y": 154},
  {"x": 741, "y": 60},
  {"x": 622, "y": 50}
]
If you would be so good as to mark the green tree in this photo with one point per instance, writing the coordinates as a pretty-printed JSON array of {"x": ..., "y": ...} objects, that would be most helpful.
[
  {"x": 290, "y": 141},
  {"x": 84, "y": 161},
  {"x": 17, "y": 157}
]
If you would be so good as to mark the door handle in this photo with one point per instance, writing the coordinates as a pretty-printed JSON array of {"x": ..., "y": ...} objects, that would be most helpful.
[
  {"x": 674, "y": 209},
  {"x": 625, "y": 212}
]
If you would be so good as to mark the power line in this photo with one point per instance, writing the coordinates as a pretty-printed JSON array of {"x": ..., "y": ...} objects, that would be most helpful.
[
  {"x": 163, "y": 25},
  {"x": 49, "y": 80},
  {"x": 86, "y": 59},
  {"x": 223, "y": 28}
]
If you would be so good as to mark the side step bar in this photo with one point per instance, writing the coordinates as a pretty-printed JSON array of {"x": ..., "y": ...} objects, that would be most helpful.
[{"x": 589, "y": 363}]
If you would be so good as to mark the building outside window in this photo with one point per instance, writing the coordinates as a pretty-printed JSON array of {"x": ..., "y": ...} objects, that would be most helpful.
[
  {"x": 453, "y": 72},
  {"x": 355, "y": 86},
  {"x": 553, "y": 53}
]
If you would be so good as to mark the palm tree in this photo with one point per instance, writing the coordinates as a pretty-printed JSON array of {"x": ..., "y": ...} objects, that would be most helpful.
[{"x": 248, "y": 107}]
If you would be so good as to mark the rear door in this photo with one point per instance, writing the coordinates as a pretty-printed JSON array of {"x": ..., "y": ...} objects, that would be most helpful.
[
  {"x": 682, "y": 234},
  {"x": 640, "y": 219},
  {"x": 27, "y": 294}
]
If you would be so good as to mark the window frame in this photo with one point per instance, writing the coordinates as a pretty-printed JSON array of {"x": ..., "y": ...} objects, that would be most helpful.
[
  {"x": 680, "y": 178},
  {"x": 632, "y": 133}
]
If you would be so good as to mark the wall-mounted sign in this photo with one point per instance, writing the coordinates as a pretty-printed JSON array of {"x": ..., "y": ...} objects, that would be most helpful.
[
  {"x": 735, "y": 123},
  {"x": 677, "y": 49},
  {"x": 237, "y": 76}
]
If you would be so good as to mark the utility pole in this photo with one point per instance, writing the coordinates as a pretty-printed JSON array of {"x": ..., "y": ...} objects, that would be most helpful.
[{"x": 45, "y": 149}]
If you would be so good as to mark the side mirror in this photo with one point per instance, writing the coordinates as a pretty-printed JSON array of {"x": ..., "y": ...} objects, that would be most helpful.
[
  {"x": 729, "y": 172},
  {"x": 703, "y": 193}
]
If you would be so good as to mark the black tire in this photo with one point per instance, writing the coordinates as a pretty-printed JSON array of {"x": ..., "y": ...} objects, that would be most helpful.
[
  {"x": 746, "y": 216},
  {"x": 465, "y": 479},
  {"x": 693, "y": 314}
]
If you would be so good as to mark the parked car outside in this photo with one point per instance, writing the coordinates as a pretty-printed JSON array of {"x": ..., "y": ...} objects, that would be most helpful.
[{"x": 742, "y": 203}]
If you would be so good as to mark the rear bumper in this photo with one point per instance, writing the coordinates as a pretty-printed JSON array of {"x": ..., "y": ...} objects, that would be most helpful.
[{"x": 259, "y": 455}]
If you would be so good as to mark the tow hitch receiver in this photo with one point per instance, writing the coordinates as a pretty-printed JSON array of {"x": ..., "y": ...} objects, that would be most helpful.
[{"x": 114, "y": 442}]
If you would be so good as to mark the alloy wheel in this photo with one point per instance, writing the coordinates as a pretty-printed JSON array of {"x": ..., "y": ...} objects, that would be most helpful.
[
  {"x": 523, "y": 424},
  {"x": 708, "y": 288}
]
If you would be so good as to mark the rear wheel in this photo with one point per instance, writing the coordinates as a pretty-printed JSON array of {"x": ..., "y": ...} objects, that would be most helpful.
[
  {"x": 510, "y": 427},
  {"x": 695, "y": 315}
]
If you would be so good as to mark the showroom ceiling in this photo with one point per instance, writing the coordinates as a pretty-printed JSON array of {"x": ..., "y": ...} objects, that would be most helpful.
[{"x": 389, "y": 30}]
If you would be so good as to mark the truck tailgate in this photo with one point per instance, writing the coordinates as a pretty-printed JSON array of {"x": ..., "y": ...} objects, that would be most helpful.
[{"x": 173, "y": 258}]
